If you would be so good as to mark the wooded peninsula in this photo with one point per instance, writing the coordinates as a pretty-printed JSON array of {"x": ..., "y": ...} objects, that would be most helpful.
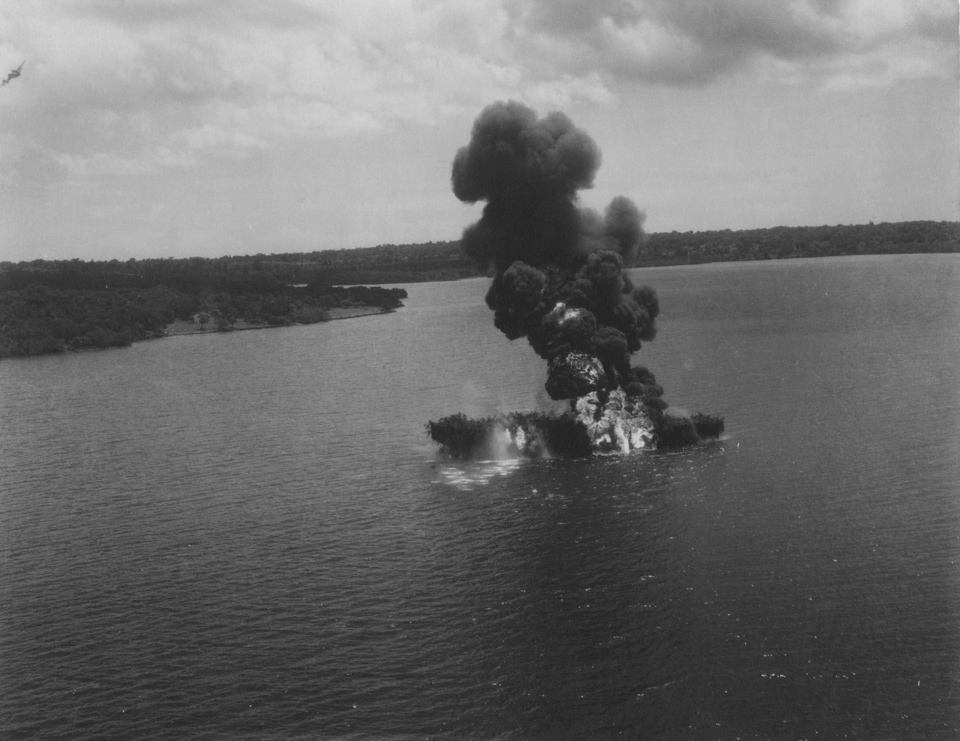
[{"x": 65, "y": 305}]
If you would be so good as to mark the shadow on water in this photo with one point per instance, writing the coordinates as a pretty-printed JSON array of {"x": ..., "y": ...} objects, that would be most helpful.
[{"x": 582, "y": 617}]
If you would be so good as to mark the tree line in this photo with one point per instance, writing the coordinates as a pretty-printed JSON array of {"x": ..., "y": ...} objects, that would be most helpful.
[
  {"x": 39, "y": 318},
  {"x": 52, "y": 306},
  {"x": 691, "y": 248}
]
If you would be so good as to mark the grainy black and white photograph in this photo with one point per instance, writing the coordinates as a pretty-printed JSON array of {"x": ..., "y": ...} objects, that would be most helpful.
[{"x": 605, "y": 380}]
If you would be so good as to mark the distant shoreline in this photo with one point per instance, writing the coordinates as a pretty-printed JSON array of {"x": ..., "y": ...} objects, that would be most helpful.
[
  {"x": 52, "y": 306},
  {"x": 181, "y": 327},
  {"x": 65, "y": 308},
  {"x": 185, "y": 328}
]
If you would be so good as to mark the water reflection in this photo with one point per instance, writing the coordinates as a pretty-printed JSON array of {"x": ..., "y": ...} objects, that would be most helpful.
[
  {"x": 467, "y": 476},
  {"x": 582, "y": 623},
  {"x": 241, "y": 536}
]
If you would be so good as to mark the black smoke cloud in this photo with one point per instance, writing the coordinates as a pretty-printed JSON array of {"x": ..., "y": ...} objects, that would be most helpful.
[
  {"x": 528, "y": 170},
  {"x": 558, "y": 275}
]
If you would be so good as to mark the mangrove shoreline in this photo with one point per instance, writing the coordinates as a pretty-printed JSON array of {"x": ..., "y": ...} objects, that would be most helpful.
[{"x": 66, "y": 305}]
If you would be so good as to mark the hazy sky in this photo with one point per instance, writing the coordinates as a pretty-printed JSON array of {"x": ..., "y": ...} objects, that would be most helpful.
[{"x": 144, "y": 128}]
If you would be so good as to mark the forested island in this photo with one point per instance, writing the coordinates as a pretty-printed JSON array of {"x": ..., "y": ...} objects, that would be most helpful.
[
  {"x": 392, "y": 263},
  {"x": 62, "y": 305}
]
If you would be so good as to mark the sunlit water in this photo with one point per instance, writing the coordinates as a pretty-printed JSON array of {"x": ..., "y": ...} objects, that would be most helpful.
[{"x": 249, "y": 535}]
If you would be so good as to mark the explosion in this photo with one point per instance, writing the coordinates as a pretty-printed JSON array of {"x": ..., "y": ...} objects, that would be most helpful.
[{"x": 558, "y": 280}]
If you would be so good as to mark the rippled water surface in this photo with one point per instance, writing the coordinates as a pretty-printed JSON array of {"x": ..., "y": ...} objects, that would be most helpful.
[{"x": 248, "y": 535}]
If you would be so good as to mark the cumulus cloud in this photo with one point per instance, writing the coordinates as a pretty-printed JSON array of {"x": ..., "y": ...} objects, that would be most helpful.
[
  {"x": 172, "y": 82},
  {"x": 693, "y": 42},
  {"x": 145, "y": 96}
]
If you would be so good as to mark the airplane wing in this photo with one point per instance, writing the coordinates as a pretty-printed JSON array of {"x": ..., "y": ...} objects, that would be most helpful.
[{"x": 13, "y": 74}]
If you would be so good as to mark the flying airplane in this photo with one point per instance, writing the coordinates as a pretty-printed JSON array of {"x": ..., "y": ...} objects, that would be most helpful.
[{"x": 14, "y": 73}]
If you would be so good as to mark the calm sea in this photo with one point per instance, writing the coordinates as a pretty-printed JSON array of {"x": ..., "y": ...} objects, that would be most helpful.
[{"x": 249, "y": 535}]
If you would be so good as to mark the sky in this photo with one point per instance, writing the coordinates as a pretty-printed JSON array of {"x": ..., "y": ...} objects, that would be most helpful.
[{"x": 178, "y": 128}]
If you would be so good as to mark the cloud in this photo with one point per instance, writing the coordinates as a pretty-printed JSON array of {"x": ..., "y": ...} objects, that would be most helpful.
[
  {"x": 159, "y": 98},
  {"x": 694, "y": 43},
  {"x": 560, "y": 93},
  {"x": 178, "y": 82}
]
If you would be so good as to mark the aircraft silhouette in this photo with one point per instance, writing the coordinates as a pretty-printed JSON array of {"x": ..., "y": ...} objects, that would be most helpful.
[{"x": 14, "y": 74}]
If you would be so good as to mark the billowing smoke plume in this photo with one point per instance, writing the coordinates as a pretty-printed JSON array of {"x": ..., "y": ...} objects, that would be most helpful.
[
  {"x": 558, "y": 280},
  {"x": 558, "y": 268}
]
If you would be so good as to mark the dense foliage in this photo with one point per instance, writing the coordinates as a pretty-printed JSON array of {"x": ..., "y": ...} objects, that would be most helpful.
[
  {"x": 676, "y": 248},
  {"x": 47, "y": 318},
  {"x": 51, "y": 306},
  {"x": 444, "y": 260}
]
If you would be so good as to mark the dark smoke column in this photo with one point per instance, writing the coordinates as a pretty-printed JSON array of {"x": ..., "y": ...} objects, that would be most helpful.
[{"x": 558, "y": 273}]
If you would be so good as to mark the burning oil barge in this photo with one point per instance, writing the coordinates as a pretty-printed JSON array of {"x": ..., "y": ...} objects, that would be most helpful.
[{"x": 558, "y": 280}]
